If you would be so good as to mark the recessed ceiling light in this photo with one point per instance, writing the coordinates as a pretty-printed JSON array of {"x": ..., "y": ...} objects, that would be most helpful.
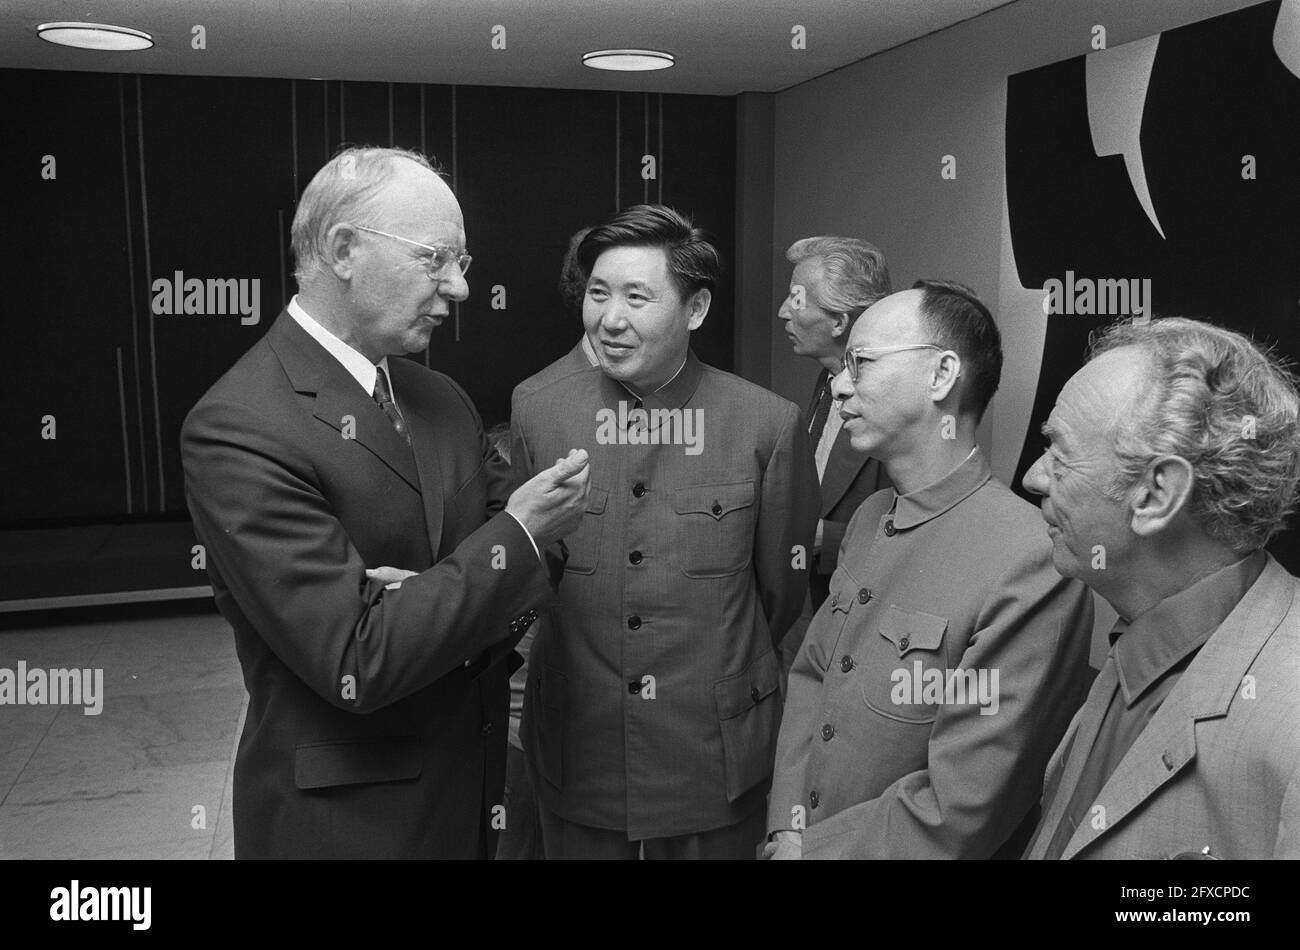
[
  {"x": 628, "y": 60},
  {"x": 94, "y": 36}
]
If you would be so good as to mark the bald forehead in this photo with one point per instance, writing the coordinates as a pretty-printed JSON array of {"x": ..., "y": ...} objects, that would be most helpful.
[
  {"x": 889, "y": 321},
  {"x": 1100, "y": 393},
  {"x": 415, "y": 193},
  {"x": 1118, "y": 375}
]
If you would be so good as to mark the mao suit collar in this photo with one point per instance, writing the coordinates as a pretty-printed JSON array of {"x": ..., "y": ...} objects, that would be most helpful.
[{"x": 934, "y": 499}]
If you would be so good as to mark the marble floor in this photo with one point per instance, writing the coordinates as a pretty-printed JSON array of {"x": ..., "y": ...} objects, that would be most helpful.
[{"x": 149, "y": 776}]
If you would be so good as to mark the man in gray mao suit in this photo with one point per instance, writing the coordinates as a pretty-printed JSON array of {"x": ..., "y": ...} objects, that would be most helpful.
[{"x": 652, "y": 708}]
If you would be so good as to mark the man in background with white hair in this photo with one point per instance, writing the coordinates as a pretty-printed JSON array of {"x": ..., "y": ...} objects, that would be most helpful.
[
  {"x": 1172, "y": 458},
  {"x": 833, "y": 281}
]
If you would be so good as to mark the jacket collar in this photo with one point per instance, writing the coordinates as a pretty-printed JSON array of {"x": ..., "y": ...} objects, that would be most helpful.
[
  {"x": 930, "y": 502},
  {"x": 676, "y": 394},
  {"x": 1161, "y": 637}
]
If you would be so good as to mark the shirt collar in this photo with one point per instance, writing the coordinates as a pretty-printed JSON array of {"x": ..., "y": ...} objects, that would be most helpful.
[
  {"x": 1157, "y": 640},
  {"x": 588, "y": 351},
  {"x": 358, "y": 366},
  {"x": 934, "y": 499}
]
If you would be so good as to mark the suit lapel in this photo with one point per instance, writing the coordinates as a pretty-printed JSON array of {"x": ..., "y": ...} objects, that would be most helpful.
[
  {"x": 340, "y": 402},
  {"x": 1162, "y": 750},
  {"x": 1205, "y": 691},
  {"x": 842, "y": 468},
  {"x": 1082, "y": 737},
  {"x": 421, "y": 414}
]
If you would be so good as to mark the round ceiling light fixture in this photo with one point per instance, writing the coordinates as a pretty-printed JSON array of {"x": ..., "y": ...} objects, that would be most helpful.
[
  {"x": 103, "y": 36},
  {"x": 628, "y": 60}
]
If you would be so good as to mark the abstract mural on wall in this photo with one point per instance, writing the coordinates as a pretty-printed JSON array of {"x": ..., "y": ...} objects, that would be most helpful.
[{"x": 1157, "y": 178}]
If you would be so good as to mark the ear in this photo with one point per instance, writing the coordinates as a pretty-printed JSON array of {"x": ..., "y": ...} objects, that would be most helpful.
[
  {"x": 340, "y": 250},
  {"x": 945, "y": 374},
  {"x": 700, "y": 301},
  {"x": 839, "y": 325},
  {"x": 1161, "y": 494}
]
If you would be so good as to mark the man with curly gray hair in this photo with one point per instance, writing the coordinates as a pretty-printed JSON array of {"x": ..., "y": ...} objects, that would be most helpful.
[{"x": 1172, "y": 458}]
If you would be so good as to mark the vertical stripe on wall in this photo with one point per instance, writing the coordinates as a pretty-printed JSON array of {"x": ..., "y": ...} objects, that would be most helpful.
[
  {"x": 284, "y": 280},
  {"x": 126, "y": 448},
  {"x": 645, "y": 150},
  {"x": 148, "y": 272},
  {"x": 135, "y": 314},
  {"x": 293, "y": 131},
  {"x": 659, "y": 157},
  {"x": 618, "y": 161}
]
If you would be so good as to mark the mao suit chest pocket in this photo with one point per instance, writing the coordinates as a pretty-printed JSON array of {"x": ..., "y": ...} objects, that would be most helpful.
[
  {"x": 584, "y": 543},
  {"x": 713, "y": 529},
  {"x": 904, "y": 660}
]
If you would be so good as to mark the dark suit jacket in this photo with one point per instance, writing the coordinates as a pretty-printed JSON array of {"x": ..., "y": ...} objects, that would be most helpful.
[
  {"x": 367, "y": 735},
  {"x": 849, "y": 480}
]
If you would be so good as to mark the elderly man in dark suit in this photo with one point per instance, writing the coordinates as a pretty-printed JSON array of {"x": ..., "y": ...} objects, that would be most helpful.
[
  {"x": 1172, "y": 458},
  {"x": 377, "y": 697},
  {"x": 652, "y": 708}
]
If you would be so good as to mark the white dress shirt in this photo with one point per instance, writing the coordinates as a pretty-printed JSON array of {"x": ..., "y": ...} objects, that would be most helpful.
[
  {"x": 357, "y": 365},
  {"x": 834, "y": 422}
]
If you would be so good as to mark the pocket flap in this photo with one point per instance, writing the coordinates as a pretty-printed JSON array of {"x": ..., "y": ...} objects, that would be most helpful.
[
  {"x": 357, "y": 761},
  {"x": 714, "y": 500},
  {"x": 912, "y": 629},
  {"x": 840, "y": 586},
  {"x": 745, "y": 690},
  {"x": 596, "y": 499}
]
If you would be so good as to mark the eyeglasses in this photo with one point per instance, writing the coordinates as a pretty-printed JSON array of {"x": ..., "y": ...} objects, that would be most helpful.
[
  {"x": 856, "y": 355},
  {"x": 440, "y": 258}
]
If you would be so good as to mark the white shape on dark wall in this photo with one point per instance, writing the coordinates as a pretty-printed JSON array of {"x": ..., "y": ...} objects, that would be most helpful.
[{"x": 1117, "y": 93}]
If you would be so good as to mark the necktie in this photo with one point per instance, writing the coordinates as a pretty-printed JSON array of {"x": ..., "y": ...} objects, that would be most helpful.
[
  {"x": 820, "y": 411},
  {"x": 384, "y": 396}
]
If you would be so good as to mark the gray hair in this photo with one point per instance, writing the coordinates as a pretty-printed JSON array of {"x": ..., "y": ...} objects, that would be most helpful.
[
  {"x": 1227, "y": 406},
  {"x": 343, "y": 191},
  {"x": 854, "y": 275}
]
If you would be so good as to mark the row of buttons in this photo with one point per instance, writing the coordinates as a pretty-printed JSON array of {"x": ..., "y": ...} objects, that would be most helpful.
[{"x": 636, "y": 557}]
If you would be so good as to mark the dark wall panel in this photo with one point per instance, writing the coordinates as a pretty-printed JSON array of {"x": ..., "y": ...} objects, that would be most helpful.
[{"x": 160, "y": 174}]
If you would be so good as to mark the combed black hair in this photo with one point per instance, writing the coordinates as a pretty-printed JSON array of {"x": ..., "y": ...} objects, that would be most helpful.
[
  {"x": 693, "y": 259},
  {"x": 958, "y": 320}
]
